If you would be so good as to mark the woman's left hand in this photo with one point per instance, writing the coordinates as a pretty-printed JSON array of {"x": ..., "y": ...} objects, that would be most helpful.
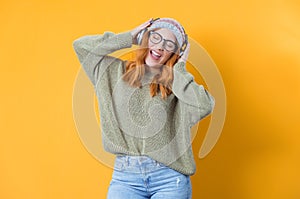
[
  {"x": 136, "y": 30},
  {"x": 185, "y": 55}
]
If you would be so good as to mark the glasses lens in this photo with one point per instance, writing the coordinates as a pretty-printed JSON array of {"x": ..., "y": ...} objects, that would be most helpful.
[
  {"x": 155, "y": 37},
  {"x": 170, "y": 46}
]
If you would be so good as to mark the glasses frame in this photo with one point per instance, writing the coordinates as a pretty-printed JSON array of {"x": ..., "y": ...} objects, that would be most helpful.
[{"x": 164, "y": 41}]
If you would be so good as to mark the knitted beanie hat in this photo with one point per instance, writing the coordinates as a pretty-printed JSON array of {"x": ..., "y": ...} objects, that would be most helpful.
[{"x": 172, "y": 25}]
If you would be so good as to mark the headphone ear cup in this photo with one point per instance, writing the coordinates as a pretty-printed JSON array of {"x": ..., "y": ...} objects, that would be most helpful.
[
  {"x": 140, "y": 35},
  {"x": 181, "y": 50},
  {"x": 181, "y": 53},
  {"x": 183, "y": 47}
]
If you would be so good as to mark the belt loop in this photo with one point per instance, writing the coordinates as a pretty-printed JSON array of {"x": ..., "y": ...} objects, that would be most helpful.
[
  {"x": 157, "y": 164},
  {"x": 139, "y": 160},
  {"x": 127, "y": 160}
]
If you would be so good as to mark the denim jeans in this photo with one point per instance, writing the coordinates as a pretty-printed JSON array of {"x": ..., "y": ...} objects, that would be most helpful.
[{"x": 140, "y": 177}]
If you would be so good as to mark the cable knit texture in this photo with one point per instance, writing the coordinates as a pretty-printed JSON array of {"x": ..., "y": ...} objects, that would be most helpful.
[{"x": 133, "y": 122}]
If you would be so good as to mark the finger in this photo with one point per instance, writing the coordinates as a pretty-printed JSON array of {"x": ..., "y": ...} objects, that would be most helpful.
[
  {"x": 188, "y": 46},
  {"x": 147, "y": 23},
  {"x": 187, "y": 50}
]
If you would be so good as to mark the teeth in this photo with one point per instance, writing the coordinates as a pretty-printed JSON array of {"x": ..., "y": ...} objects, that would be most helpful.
[{"x": 156, "y": 54}]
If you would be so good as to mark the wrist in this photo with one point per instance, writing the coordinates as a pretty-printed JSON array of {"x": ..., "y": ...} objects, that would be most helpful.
[{"x": 133, "y": 37}]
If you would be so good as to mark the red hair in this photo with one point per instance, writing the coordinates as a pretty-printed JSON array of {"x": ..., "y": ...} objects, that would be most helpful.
[{"x": 135, "y": 71}]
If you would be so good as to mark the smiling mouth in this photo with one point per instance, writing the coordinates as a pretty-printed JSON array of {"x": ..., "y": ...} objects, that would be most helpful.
[{"x": 155, "y": 55}]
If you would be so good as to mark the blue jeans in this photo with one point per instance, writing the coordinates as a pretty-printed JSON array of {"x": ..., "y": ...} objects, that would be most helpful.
[{"x": 140, "y": 177}]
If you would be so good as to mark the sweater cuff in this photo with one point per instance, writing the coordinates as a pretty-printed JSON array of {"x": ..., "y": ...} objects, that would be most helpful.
[
  {"x": 124, "y": 40},
  {"x": 180, "y": 66}
]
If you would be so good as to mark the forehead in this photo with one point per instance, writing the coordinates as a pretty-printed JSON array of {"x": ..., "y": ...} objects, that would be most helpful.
[{"x": 166, "y": 33}]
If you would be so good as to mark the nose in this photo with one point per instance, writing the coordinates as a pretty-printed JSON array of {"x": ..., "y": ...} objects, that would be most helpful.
[{"x": 160, "y": 46}]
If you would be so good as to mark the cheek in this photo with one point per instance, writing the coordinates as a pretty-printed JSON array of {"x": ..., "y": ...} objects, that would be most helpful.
[
  {"x": 167, "y": 56},
  {"x": 150, "y": 44}
]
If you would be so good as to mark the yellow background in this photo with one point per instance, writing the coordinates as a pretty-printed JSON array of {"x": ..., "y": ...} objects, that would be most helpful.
[{"x": 255, "y": 44}]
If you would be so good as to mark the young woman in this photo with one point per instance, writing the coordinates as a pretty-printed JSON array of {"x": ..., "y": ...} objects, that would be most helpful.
[{"x": 147, "y": 107}]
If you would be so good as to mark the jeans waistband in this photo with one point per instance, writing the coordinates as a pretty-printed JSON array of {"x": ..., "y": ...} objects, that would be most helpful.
[{"x": 136, "y": 164}]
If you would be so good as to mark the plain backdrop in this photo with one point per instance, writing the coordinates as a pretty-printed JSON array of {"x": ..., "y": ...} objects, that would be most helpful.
[{"x": 255, "y": 45}]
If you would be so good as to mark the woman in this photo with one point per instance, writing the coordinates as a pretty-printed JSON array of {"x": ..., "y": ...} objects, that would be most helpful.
[{"x": 147, "y": 107}]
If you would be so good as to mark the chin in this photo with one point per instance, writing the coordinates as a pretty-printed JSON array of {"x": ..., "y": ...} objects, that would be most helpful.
[
  {"x": 151, "y": 63},
  {"x": 154, "y": 65}
]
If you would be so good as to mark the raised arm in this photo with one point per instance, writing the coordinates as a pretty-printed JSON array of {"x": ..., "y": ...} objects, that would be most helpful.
[
  {"x": 91, "y": 49},
  {"x": 198, "y": 100}
]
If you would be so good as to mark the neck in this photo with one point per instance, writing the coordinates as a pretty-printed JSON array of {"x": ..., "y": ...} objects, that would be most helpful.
[{"x": 153, "y": 70}]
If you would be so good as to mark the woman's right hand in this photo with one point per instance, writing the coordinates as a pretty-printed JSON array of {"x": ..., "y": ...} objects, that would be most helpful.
[
  {"x": 136, "y": 30},
  {"x": 185, "y": 54}
]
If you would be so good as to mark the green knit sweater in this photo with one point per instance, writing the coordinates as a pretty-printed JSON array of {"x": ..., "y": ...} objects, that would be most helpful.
[{"x": 133, "y": 122}]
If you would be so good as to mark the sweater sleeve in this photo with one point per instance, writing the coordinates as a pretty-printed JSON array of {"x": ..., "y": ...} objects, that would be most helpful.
[
  {"x": 91, "y": 49},
  {"x": 196, "y": 98}
]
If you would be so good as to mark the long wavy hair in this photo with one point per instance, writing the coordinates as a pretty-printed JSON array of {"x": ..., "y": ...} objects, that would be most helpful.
[{"x": 135, "y": 70}]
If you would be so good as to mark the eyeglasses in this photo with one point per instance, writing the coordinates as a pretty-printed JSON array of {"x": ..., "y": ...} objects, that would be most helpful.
[{"x": 156, "y": 38}]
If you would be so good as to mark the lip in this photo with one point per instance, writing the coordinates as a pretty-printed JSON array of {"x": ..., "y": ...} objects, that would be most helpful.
[{"x": 155, "y": 54}]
